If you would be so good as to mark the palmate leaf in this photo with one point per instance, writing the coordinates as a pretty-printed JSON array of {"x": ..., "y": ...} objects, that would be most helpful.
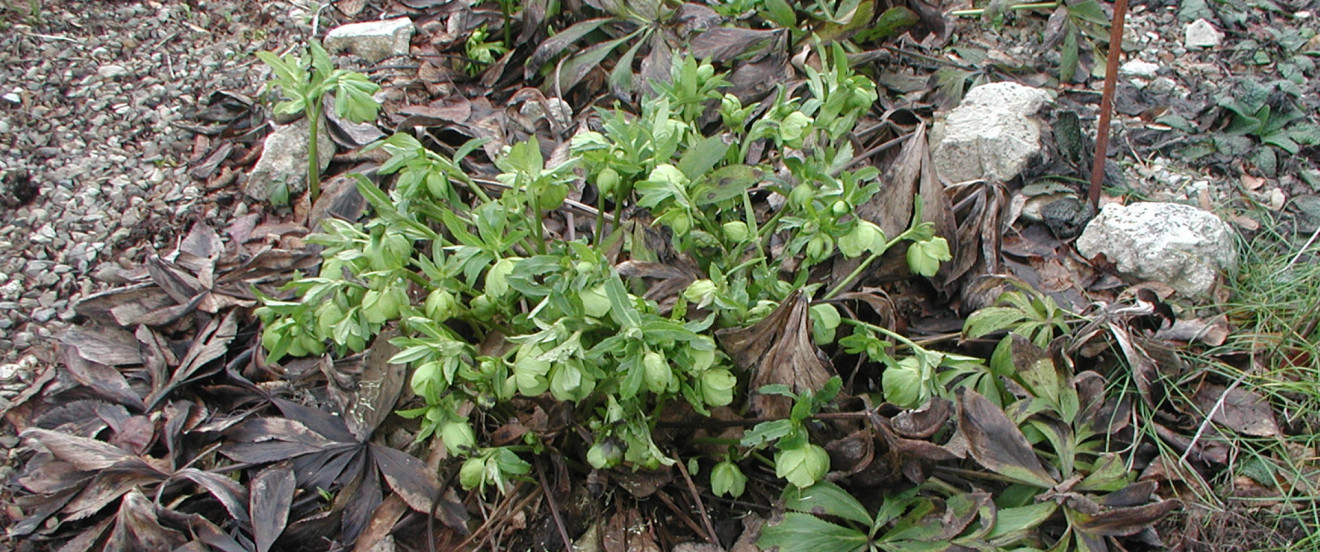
[{"x": 353, "y": 97}]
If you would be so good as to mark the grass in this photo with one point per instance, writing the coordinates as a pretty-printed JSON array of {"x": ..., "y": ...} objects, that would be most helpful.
[{"x": 1275, "y": 352}]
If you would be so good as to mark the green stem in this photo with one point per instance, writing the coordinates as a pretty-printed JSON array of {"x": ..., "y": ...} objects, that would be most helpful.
[
  {"x": 887, "y": 332},
  {"x": 847, "y": 281},
  {"x": 313, "y": 157},
  {"x": 1018, "y": 7}
]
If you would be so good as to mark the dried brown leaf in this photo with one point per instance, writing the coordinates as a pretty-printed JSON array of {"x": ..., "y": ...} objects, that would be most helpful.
[
  {"x": 995, "y": 442},
  {"x": 1122, "y": 522},
  {"x": 1241, "y": 410},
  {"x": 378, "y": 388},
  {"x": 779, "y": 350}
]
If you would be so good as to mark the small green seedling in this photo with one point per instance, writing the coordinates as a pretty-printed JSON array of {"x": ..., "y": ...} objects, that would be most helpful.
[{"x": 305, "y": 81}]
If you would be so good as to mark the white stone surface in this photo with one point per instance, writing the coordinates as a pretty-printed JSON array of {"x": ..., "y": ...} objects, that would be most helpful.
[
  {"x": 992, "y": 134},
  {"x": 1139, "y": 69},
  {"x": 1180, "y": 245},
  {"x": 284, "y": 159},
  {"x": 372, "y": 40},
  {"x": 1201, "y": 34}
]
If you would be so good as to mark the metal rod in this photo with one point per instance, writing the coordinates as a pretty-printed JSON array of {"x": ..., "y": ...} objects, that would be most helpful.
[{"x": 1107, "y": 103}]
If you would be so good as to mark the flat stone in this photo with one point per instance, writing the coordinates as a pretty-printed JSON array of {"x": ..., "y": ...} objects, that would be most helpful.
[
  {"x": 372, "y": 40},
  {"x": 284, "y": 160},
  {"x": 1180, "y": 245},
  {"x": 1201, "y": 34},
  {"x": 42, "y": 316},
  {"x": 993, "y": 134},
  {"x": 1139, "y": 69},
  {"x": 111, "y": 71}
]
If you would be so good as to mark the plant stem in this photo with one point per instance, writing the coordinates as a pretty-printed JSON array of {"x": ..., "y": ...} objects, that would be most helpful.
[
  {"x": 1019, "y": 7},
  {"x": 847, "y": 281},
  {"x": 1107, "y": 103}
]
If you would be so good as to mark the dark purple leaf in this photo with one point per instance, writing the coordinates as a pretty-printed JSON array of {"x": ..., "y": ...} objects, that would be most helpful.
[
  {"x": 720, "y": 44},
  {"x": 211, "y": 343},
  {"x": 272, "y": 495},
  {"x": 232, "y": 495},
  {"x": 138, "y": 528},
  {"x": 417, "y": 485}
]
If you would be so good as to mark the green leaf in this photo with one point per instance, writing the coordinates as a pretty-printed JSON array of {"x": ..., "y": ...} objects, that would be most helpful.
[
  {"x": 702, "y": 157},
  {"x": 826, "y": 498},
  {"x": 727, "y": 479},
  {"x": 1068, "y": 56},
  {"x": 800, "y": 532},
  {"x": 765, "y": 432},
  {"x": 781, "y": 13},
  {"x": 904, "y": 383},
  {"x": 890, "y": 23},
  {"x": 724, "y": 184},
  {"x": 353, "y": 98},
  {"x": 1015, "y": 523},
  {"x": 990, "y": 320},
  {"x": 621, "y": 76}
]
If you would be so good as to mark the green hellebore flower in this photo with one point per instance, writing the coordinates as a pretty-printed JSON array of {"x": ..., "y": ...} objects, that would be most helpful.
[{"x": 802, "y": 466}]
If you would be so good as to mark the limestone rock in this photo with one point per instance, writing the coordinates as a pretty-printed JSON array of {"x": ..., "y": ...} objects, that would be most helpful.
[
  {"x": 284, "y": 160},
  {"x": 372, "y": 40},
  {"x": 1201, "y": 34},
  {"x": 1180, "y": 245},
  {"x": 1139, "y": 69},
  {"x": 992, "y": 134}
]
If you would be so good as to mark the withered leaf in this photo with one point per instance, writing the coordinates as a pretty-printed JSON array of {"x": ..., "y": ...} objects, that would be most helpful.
[
  {"x": 211, "y": 343},
  {"x": 109, "y": 485},
  {"x": 103, "y": 381},
  {"x": 378, "y": 388},
  {"x": 720, "y": 44},
  {"x": 923, "y": 422},
  {"x": 272, "y": 495},
  {"x": 383, "y": 519},
  {"x": 1241, "y": 410},
  {"x": 995, "y": 442},
  {"x": 86, "y": 454},
  {"x": 110, "y": 346},
  {"x": 1121, "y": 522},
  {"x": 779, "y": 350},
  {"x": 137, "y": 527},
  {"x": 1145, "y": 372},
  {"x": 417, "y": 485},
  {"x": 232, "y": 495}
]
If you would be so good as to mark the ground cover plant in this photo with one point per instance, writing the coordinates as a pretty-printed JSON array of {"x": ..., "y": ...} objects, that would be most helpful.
[{"x": 699, "y": 282}]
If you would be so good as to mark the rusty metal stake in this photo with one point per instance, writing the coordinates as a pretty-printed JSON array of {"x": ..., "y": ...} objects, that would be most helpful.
[{"x": 1107, "y": 103}]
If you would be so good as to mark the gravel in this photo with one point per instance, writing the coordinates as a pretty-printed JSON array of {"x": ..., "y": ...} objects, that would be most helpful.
[{"x": 94, "y": 169}]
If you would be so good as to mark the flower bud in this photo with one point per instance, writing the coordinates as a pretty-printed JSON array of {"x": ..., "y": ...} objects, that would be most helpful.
[{"x": 736, "y": 232}]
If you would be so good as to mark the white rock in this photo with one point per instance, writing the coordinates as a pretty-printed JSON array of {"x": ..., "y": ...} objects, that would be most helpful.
[
  {"x": 1180, "y": 245},
  {"x": 1201, "y": 34},
  {"x": 992, "y": 134},
  {"x": 284, "y": 159},
  {"x": 111, "y": 71},
  {"x": 372, "y": 40},
  {"x": 1139, "y": 69}
]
